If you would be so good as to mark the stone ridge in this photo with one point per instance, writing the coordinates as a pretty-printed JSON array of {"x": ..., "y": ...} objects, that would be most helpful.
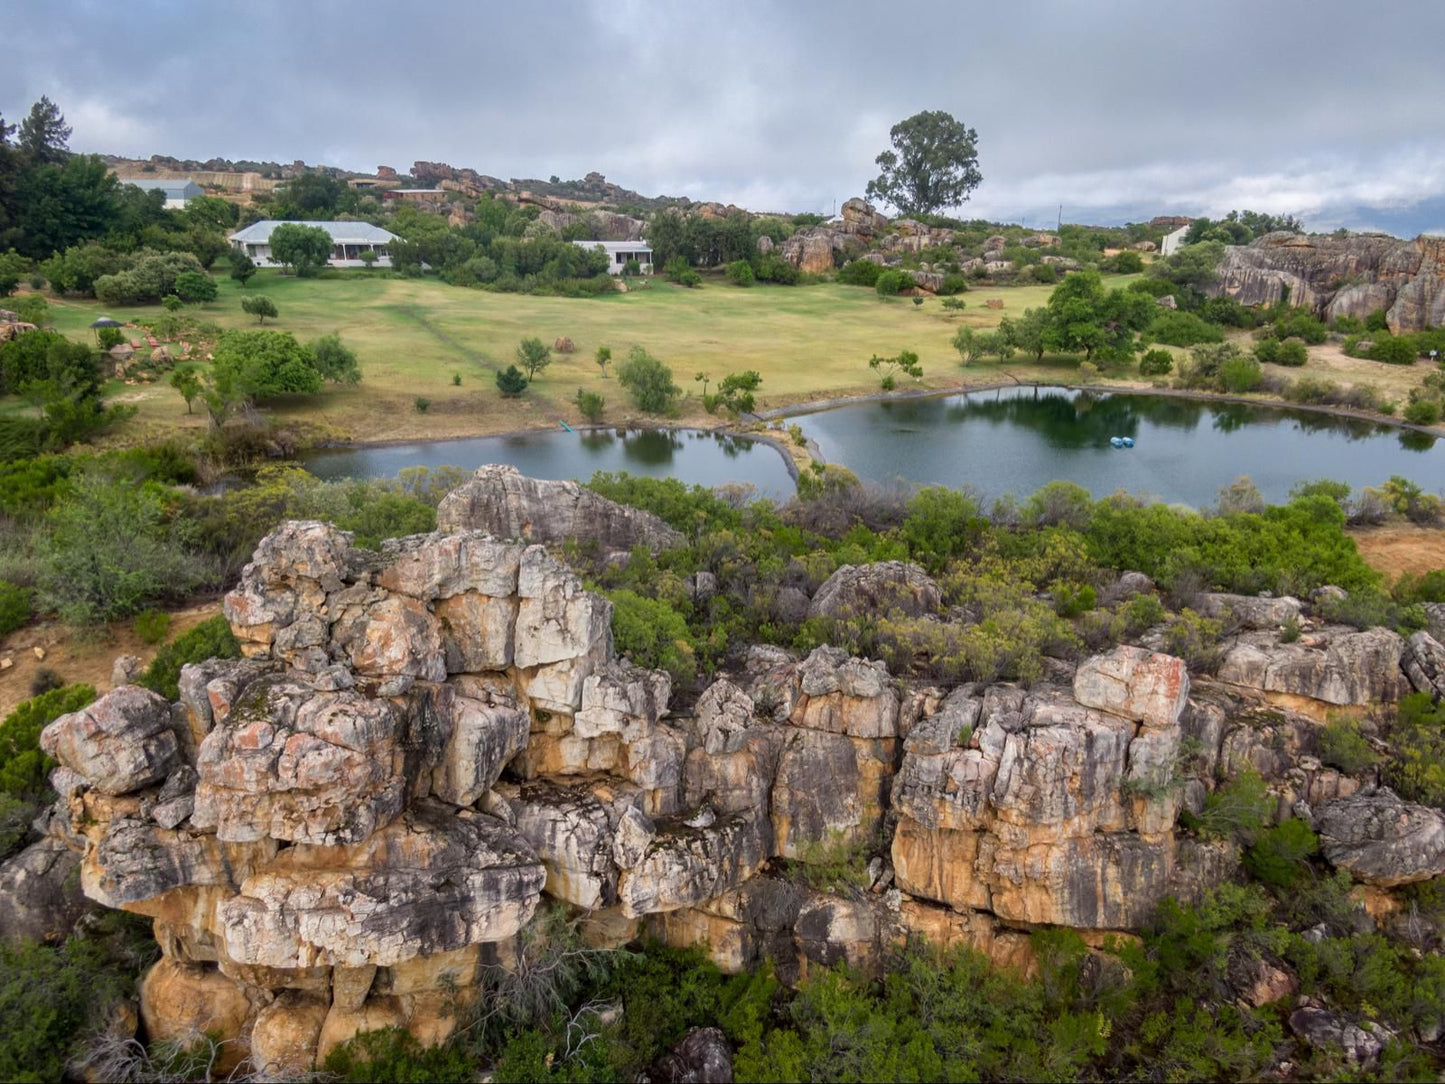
[
  {"x": 336, "y": 832},
  {"x": 1341, "y": 276},
  {"x": 505, "y": 503}
]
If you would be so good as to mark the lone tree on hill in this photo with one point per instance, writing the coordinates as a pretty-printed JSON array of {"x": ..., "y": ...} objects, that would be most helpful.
[
  {"x": 242, "y": 267},
  {"x": 934, "y": 164}
]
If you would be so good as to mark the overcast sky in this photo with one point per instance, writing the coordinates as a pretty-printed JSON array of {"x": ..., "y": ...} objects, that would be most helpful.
[{"x": 1116, "y": 109}]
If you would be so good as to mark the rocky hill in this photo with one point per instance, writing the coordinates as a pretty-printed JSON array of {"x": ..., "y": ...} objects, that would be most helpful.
[
  {"x": 338, "y": 831},
  {"x": 1353, "y": 275}
]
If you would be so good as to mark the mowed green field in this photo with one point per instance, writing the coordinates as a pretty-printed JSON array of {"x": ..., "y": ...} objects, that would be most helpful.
[{"x": 413, "y": 335}]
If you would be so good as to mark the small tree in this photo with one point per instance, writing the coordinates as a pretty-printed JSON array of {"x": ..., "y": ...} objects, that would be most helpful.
[
  {"x": 13, "y": 267},
  {"x": 602, "y": 357},
  {"x": 511, "y": 381},
  {"x": 1156, "y": 363},
  {"x": 649, "y": 381},
  {"x": 591, "y": 404},
  {"x": 260, "y": 306},
  {"x": 905, "y": 363},
  {"x": 740, "y": 273},
  {"x": 533, "y": 355},
  {"x": 966, "y": 342},
  {"x": 368, "y": 258},
  {"x": 736, "y": 391},
  {"x": 242, "y": 267},
  {"x": 336, "y": 361},
  {"x": 188, "y": 382}
]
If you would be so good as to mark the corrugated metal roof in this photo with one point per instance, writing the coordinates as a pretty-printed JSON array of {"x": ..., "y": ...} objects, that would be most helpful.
[
  {"x": 343, "y": 233},
  {"x": 181, "y": 189},
  {"x": 612, "y": 247}
]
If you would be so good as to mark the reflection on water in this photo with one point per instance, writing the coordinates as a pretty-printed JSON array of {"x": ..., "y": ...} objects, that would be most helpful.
[
  {"x": 1017, "y": 439},
  {"x": 693, "y": 456}
]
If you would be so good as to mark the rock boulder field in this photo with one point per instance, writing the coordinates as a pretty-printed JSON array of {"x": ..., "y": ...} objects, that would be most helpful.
[{"x": 336, "y": 832}]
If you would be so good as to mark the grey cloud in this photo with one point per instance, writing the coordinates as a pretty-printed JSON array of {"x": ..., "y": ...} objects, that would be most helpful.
[{"x": 1115, "y": 109}]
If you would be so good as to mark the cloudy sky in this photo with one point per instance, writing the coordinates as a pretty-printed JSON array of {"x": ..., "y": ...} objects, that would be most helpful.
[{"x": 1115, "y": 109}]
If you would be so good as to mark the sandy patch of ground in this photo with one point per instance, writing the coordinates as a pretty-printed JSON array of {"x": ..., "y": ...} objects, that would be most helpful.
[
  {"x": 81, "y": 658},
  {"x": 1400, "y": 548}
]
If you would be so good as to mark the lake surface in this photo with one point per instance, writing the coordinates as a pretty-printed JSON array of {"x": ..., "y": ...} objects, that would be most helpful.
[
  {"x": 1018, "y": 439},
  {"x": 706, "y": 459}
]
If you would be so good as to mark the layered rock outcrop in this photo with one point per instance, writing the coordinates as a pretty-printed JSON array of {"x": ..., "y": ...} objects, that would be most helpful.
[
  {"x": 1341, "y": 276},
  {"x": 336, "y": 832}
]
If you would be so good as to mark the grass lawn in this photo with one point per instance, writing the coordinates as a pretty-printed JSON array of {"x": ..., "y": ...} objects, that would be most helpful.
[{"x": 412, "y": 335}]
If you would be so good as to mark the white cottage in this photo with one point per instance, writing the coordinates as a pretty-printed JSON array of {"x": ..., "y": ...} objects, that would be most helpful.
[{"x": 348, "y": 240}]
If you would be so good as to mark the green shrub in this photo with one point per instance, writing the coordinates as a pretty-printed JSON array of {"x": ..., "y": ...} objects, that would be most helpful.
[
  {"x": 1422, "y": 411},
  {"x": 891, "y": 283},
  {"x": 1195, "y": 639},
  {"x": 1237, "y": 809},
  {"x": 1292, "y": 353},
  {"x": 422, "y": 404},
  {"x": 1279, "y": 855},
  {"x": 740, "y": 273},
  {"x": 590, "y": 404},
  {"x": 649, "y": 381},
  {"x": 860, "y": 273},
  {"x": 653, "y": 634},
  {"x": 24, "y": 769},
  {"x": 511, "y": 381},
  {"x": 1393, "y": 350},
  {"x": 394, "y": 1056},
  {"x": 953, "y": 283},
  {"x": 152, "y": 625},
  {"x": 1342, "y": 746},
  {"x": 1267, "y": 350},
  {"x": 1240, "y": 374},
  {"x": 1156, "y": 363},
  {"x": 1182, "y": 329},
  {"x": 210, "y": 639},
  {"x": 14, "y": 607},
  {"x": 1416, "y": 768}
]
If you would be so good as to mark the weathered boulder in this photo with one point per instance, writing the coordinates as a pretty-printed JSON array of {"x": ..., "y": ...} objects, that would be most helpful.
[
  {"x": 1424, "y": 664},
  {"x": 40, "y": 896},
  {"x": 845, "y": 695},
  {"x": 812, "y": 249},
  {"x": 285, "y": 1033},
  {"x": 572, "y": 833},
  {"x": 1137, "y": 684},
  {"x": 501, "y": 501},
  {"x": 877, "y": 589},
  {"x": 684, "y": 866},
  {"x": 1340, "y": 666},
  {"x": 291, "y": 763},
  {"x": 563, "y": 632},
  {"x": 182, "y": 1002},
  {"x": 1249, "y": 611},
  {"x": 1316, "y": 1027},
  {"x": 431, "y": 881},
  {"x": 702, "y": 1056},
  {"x": 1381, "y": 839},
  {"x": 120, "y": 743}
]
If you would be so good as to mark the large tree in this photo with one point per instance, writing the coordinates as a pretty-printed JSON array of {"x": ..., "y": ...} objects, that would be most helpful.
[
  {"x": 305, "y": 249},
  {"x": 44, "y": 135},
  {"x": 933, "y": 164},
  {"x": 1083, "y": 316}
]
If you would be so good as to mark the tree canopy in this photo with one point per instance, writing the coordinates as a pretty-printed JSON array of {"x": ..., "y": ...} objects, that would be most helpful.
[
  {"x": 933, "y": 164},
  {"x": 304, "y": 249},
  {"x": 44, "y": 135}
]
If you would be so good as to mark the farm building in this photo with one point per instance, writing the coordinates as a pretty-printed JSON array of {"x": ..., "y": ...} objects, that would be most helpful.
[
  {"x": 178, "y": 192},
  {"x": 619, "y": 252},
  {"x": 348, "y": 241}
]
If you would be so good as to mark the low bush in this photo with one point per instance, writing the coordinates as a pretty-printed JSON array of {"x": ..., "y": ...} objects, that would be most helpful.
[
  {"x": 892, "y": 283},
  {"x": 152, "y": 626},
  {"x": 860, "y": 273},
  {"x": 1292, "y": 353},
  {"x": 1156, "y": 363},
  {"x": 1416, "y": 768},
  {"x": 24, "y": 769},
  {"x": 1422, "y": 411},
  {"x": 14, "y": 607},
  {"x": 1393, "y": 351},
  {"x": 1182, "y": 329},
  {"x": 740, "y": 273},
  {"x": 211, "y": 639},
  {"x": 1342, "y": 746},
  {"x": 653, "y": 634}
]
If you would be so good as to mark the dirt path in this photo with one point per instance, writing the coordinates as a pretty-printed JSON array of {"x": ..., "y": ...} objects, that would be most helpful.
[
  {"x": 85, "y": 657},
  {"x": 1400, "y": 548}
]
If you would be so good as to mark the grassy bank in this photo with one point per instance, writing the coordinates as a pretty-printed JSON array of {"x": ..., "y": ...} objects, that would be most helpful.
[{"x": 415, "y": 336}]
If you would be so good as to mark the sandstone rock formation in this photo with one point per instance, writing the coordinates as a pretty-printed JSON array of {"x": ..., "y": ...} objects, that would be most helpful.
[
  {"x": 1341, "y": 276},
  {"x": 337, "y": 831},
  {"x": 501, "y": 501}
]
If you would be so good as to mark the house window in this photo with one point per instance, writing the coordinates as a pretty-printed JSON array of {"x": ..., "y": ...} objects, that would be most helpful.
[{"x": 622, "y": 257}]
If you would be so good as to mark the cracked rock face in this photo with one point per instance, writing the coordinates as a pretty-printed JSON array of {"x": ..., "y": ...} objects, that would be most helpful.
[
  {"x": 1381, "y": 839},
  {"x": 884, "y": 587},
  {"x": 1340, "y": 666},
  {"x": 120, "y": 743},
  {"x": 430, "y": 882},
  {"x": 501, "y": 501}
]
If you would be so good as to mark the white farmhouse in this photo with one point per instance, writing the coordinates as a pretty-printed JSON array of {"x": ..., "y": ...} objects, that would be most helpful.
[
  {"x": 619, "y": 252},
  {"x": 1172, "y": 241},
  {"x": 348, "y": 241},
  {"x": 178, "y": 192}
]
